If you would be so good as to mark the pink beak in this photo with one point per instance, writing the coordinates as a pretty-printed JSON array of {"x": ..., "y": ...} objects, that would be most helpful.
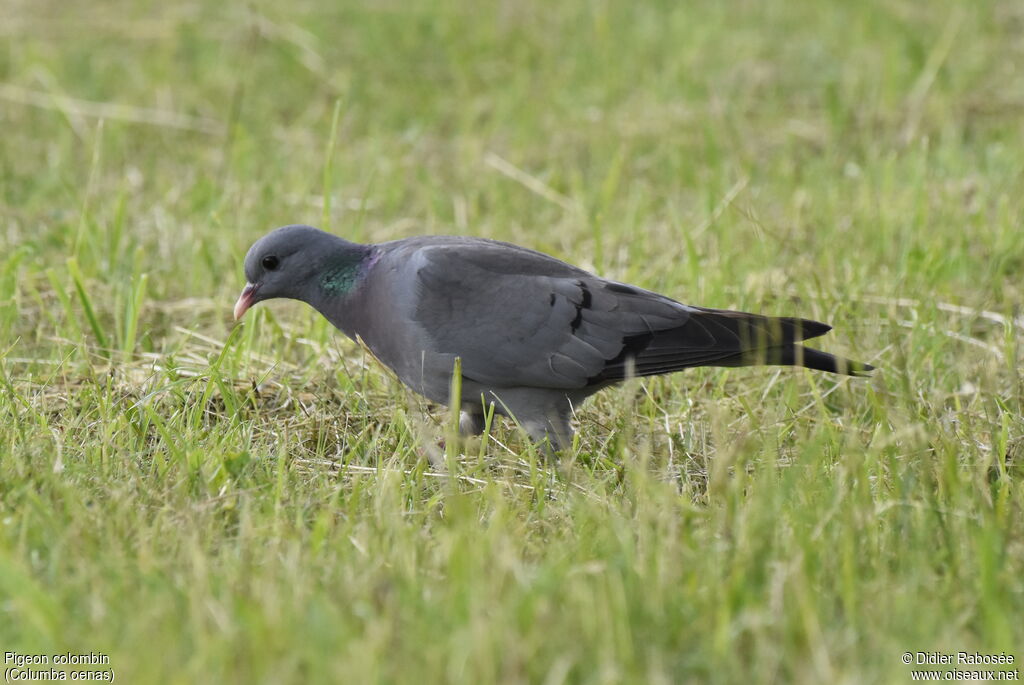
[{"x": 245, "y": 300}]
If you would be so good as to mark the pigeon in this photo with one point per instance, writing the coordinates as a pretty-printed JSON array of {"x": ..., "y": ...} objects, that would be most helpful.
[{"x": 535, "y": 336}]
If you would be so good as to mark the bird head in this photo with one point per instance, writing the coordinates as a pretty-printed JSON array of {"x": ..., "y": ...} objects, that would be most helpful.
[{"x": 283, "y": 263}]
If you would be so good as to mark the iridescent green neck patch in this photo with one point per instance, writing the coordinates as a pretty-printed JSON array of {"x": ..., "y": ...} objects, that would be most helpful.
[{"x": 340, "y": 278}]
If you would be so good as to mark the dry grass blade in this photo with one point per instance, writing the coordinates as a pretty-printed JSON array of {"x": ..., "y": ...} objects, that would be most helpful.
[
  {"x": 531, "y": 183},
  {"x": 109, "y": 110}
]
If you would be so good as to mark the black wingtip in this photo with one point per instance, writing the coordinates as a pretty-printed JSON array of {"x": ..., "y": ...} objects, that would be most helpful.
[{"x": 812, "y": 329}]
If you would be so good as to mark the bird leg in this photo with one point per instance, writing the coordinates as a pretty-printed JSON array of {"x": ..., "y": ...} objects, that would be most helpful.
[
  {"x": 471, "y": 423},
  {"x": 553, "y": 434}
]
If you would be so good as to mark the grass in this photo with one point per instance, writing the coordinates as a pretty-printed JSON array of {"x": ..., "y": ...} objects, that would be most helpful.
[{"x": 205, "y": 502}]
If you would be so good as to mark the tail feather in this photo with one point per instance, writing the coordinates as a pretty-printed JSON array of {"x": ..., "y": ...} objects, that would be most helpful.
[
  {"x": 798, "y": 355},
  {"x": 717, "y": 337}
]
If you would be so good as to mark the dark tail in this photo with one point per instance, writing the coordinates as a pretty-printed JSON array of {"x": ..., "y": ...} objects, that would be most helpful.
[
  {"x": 718, "y": 337},
  {"x": 798, "y": 355}
]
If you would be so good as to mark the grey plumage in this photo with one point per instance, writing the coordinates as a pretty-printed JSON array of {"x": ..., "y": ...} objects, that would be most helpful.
[{"x": 535, "y": 335}]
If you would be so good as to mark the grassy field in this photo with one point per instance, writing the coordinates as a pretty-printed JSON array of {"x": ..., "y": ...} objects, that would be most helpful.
[{"x": 206, "y": 502}]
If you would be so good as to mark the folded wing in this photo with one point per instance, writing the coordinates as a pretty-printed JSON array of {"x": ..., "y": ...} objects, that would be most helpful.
[{"x": 518, "y": 318}]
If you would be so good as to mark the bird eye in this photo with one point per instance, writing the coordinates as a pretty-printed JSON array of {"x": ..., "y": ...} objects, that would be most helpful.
[{"x": 270, "y": 262}]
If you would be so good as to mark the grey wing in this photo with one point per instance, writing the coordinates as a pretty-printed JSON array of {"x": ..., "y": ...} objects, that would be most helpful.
[
  {"x": 519, "y": 318},
  {"x": 525, "y": 319}
]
